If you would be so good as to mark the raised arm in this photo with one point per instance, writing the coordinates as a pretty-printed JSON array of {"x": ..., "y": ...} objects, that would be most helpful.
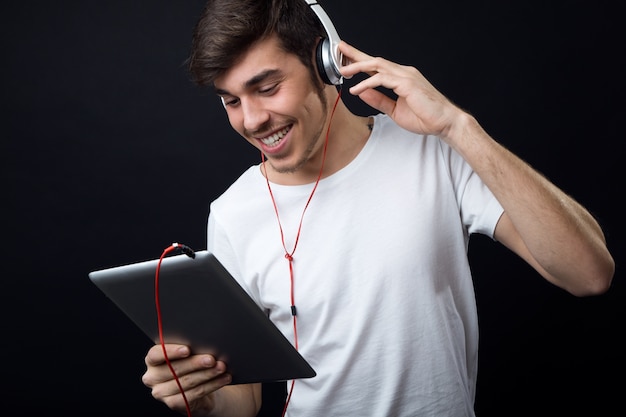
[{"x": 543, "y": 225}]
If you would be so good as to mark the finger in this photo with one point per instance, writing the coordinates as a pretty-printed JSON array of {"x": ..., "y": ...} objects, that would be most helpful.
[
  {"x": 351, "y": 56},
  {"x": 385, "y": 80},
  {"x": 198, "y": 396},
  {"x": 203, "y": 377},
  {"x": 213, "y": 376},
  {"x": 351, "y": 53},
  {"x": 207, "y": 386},
  {"x": 156, "y": 356},
  {"x": 196, "y": 363},
  {"x": 204, "y": 366}
]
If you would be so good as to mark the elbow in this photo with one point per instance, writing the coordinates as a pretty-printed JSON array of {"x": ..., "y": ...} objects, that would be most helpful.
[
  {"x": 598, "y": 281},
  {"x": 592, "y": 288}
]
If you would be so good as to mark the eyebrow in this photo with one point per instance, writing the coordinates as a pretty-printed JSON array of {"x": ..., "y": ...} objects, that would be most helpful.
[{"x": 255, "y": 80}]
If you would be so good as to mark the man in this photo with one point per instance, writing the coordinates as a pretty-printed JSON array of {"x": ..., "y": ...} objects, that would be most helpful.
[{"x": 352, "y": 232}]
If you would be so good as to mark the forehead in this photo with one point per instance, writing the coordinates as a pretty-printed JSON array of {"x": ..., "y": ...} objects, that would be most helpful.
[{"x": 263, "y": 57}]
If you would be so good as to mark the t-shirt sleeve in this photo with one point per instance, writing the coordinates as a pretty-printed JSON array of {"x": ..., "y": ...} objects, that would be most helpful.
[{"x": 480, "y": 210}]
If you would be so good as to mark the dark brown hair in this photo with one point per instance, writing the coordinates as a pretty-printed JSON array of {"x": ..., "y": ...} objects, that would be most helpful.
[{"x": 227, "y": 28}]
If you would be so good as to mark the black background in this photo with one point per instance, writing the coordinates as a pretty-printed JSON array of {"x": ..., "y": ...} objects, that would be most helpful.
[{"x": 110, "y": 153}]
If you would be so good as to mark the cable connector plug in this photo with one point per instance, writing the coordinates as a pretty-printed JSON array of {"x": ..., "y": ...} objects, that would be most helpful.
[{"x": 185, "y": 249}]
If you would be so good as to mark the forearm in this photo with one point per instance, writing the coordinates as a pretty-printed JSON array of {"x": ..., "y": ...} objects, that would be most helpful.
[{"x": 560, "y": 235}]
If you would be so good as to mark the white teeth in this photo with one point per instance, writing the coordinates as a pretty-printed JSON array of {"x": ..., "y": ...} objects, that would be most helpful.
[{"x": 272, "y": 140}]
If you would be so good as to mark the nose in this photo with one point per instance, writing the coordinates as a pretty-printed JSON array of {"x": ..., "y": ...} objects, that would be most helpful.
[{"x": 254, "y": 115}]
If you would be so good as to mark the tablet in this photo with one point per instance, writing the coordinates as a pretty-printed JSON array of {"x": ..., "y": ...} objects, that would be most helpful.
[{"x": 204, "y": 307}]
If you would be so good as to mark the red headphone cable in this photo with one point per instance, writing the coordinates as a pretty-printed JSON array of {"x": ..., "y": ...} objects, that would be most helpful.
[
  {"x": 289, "y": 255},
  {"x": 189, "y": 252}
]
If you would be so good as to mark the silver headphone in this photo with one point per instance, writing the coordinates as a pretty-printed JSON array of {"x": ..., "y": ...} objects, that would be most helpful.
[{"x": 329, "y": 58}]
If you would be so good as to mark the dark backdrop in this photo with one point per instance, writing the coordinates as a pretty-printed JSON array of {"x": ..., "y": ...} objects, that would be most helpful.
[{"x": 109, "y": 154}]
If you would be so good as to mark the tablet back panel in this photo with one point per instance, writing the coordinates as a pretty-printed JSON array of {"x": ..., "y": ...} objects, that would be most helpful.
[{"x": 204, "y": 307}]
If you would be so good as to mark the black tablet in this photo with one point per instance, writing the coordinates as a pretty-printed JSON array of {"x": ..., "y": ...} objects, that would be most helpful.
[{"x": 204, "y": 307}]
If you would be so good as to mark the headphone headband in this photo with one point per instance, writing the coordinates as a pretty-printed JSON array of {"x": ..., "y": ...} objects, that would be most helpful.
[{"x": 328, "y": 54}]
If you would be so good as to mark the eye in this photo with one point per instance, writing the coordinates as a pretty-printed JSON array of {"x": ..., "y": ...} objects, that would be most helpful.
[
  {"x": 229, "y": 101},
  {"x": 268, "y": 89}
]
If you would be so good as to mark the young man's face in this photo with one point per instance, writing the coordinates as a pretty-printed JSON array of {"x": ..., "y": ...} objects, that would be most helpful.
[{"x": 271, "y": 101}]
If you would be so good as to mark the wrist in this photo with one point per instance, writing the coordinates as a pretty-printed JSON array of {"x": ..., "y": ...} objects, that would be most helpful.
[{"x": 462, "y": 133}]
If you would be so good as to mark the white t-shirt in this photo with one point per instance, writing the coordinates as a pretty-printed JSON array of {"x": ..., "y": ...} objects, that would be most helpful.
[{"x": 386, "y": 312}]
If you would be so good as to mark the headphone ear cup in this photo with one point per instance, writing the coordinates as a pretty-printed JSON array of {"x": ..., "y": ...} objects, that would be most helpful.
[{"x": 323, "y": 60}]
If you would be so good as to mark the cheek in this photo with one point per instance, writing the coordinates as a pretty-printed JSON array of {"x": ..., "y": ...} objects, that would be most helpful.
[
  {"x": 313, "y": 107},
  {"x": 295, "y": 98}
]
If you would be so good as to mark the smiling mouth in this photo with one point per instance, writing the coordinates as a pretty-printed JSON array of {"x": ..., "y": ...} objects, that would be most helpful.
[{"x": 272, "y": 140}]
